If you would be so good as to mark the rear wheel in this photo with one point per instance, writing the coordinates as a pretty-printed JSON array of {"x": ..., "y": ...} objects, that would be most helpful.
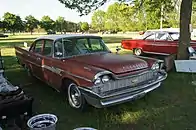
[
  {"x": 75, "y": 97},
  {"x": 137, "y": 51}
]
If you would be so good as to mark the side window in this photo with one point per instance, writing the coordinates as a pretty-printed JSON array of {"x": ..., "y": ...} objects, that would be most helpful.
[
  {"x": 47, "y": 51},
  {"x": 151, "y": 37},
  {"x": 162, "y": 36},
  {"x": 70, "y": 48},
  {"x": 82, "y": 45},
  {"x": 38, "y": 46},
  {"x": 58, "y": 49},
  {"x": 96, "y": 44},
  {"x": 65, "y": 48}
]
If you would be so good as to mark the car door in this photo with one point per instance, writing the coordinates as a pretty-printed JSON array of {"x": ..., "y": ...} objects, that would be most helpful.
[
  {"x": 148, "y": 42},
  {"x": 163, "y": 44},
  {"x": 52, "y": 52},
  {"x": 35, "y": 56}
]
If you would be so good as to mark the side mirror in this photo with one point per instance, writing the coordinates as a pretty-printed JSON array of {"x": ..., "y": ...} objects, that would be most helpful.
[
  {"x": 58, "y": 54},
  {"x": 117, "y": 49}
]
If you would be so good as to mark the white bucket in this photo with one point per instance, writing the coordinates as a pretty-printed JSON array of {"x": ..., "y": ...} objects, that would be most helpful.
[{"x": 42, "y": 122}]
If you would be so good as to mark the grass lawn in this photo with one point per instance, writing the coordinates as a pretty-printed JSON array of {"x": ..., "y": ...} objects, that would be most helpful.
[{"x": 170, "y": 107}]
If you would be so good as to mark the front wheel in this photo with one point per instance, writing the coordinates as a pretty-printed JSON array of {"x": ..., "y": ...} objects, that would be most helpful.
[
  {"x": 137, "y": 51},
  {"x": 75, "y": 97}
]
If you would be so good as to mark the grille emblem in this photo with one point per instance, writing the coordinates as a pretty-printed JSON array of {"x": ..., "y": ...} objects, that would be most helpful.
[{"x": 134, "y": 80}]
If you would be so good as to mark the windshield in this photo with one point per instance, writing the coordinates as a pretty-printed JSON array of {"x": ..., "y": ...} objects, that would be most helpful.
[
  {"x": 65, "y": 47},
  {"x": 175, "y": 36}
]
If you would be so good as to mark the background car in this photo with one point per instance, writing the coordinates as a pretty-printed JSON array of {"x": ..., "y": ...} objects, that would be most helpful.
[
  {"x": 155, "y": 42},
  {"x": 3, "y": 35},
  {"x": 51, "y": 32}
]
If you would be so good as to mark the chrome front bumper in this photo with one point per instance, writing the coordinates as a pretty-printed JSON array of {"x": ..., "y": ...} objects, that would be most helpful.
[{"x": 123, "y": 95}]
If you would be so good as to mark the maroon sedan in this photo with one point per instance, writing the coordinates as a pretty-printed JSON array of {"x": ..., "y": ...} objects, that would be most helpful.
[{"x": 84, "y": 68}]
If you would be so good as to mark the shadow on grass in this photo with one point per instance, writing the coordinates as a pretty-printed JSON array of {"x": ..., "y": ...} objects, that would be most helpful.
[{"x": 172, "y": 106}]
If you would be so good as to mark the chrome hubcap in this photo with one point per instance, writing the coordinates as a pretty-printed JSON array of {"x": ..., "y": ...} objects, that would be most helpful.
[
  {"x": 74, "y": 96},
  {"x": 138, "y": 52}
]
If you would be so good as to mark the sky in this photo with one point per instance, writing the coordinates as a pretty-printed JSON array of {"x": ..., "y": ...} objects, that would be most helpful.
[{"x": 39, "y": 8}]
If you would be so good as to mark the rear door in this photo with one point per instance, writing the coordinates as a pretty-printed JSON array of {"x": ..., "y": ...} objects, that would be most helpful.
[{"x": 35, "y": 56}]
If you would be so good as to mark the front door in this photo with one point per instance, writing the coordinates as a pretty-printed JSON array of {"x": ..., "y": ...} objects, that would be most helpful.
[
  {"x": 148, "y": 43},
  {"x": 50, "y": 64},
  {"x": 163, "y": 44}
]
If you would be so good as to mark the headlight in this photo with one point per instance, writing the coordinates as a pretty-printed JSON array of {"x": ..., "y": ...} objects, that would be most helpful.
[
  {"x": 155, "y": 66},
  {"x": 102, "y": 79},
  {"x": 97, "y": 81},
  {"x": 105, "y": 78}
]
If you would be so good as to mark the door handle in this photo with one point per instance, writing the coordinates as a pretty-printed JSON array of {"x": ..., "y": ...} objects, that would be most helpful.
[{"x": 28, "y": 55}]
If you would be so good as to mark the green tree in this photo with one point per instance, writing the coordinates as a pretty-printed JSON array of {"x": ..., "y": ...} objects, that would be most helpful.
[
  {"x": 13, "y": 22},
  {"x": 112, "y": 17},
  {"x": 193, "y": 19},
  {"x": 79, "y": 26},
  {"x": 85, "y": 26},
  {"x": 31, "y": 23},
  {"x": 98, "y": 20},
  {"x": 61, "y": 24},
  {"x": 71, "y": 26},
  {"x": 47, "y": 23},
  {"x": 1, "y": 24}
]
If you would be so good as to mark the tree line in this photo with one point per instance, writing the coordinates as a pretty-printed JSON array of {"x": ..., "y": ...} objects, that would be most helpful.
[
  {"x": 118, "y": 17},
  {"x": 151, "y": 15},
  {"x": 13, "y": 23}
]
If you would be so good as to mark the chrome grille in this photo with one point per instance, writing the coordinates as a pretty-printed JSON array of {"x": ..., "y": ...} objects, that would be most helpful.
[{"x": 123, "y": 83}]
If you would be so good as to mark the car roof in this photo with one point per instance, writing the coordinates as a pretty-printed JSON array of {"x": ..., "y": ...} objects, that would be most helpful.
[
  {"x": 56, "y": 37},
  {"x": 161, "y": 31}
]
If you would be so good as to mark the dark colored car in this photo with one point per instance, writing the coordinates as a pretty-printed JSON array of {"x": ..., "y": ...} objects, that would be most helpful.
[
  {"x": 3, "y": 35},
  {"x": 51, "y": 32}
]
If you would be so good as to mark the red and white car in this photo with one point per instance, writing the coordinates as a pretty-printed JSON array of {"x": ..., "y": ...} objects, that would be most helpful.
[{"x": 155, "y": 42}]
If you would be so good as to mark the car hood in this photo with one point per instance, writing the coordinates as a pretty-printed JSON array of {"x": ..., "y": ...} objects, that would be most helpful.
[{"x": 113, "y": 62}]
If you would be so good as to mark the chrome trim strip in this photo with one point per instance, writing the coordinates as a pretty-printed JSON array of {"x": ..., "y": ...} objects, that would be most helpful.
[
  {"x": 19, "y": 52},
  {"x": 156, "y": 53},
  {"x": 88, "y": 90},
  {"x": 78, "y": 76},
  {"x": 55, "y": 70},
  {"x": 58, "y": 71}
]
